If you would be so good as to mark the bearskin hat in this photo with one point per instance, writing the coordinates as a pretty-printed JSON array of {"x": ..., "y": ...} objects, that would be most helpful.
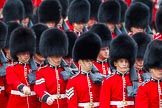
[
  {"x": 38, "y": 29},
  {"x": 94, "y": 6},
  {"x": 50, "y": 11},
  {"x": 149, "y": 3},
  {"x": 123, "y": 46},
  {"x": 137, "y": 15},
  {"x": 87, "y": 46},
  {"x": 104, "y": 33},
  {"x": 158, "y": 20},
  {"x": 13, "y": 10},
  {"x": 124, "y": 7},
  {"x": 53, "y": 42},
  {"x": 22, "y": 40},
  {"x": 153, "y": 55},
  {"x": 11, "y": 27},
  {"x": 79, "y": 11},
  {"x": 64, "y": 4},
  {"x": 71, "y": 38},
  {"x": 142, "y": 39},
  {"x": 109, "y": 11},
  {"x": 28, "y": 6},
  {"x": 3, "y": 34}
]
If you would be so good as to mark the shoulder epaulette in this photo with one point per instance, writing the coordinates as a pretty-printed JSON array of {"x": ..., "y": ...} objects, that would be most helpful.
[
  {"x": 145, "y": 82},
  {"x": 110, "y": 75},
  {"x": 75, "y": 75}
]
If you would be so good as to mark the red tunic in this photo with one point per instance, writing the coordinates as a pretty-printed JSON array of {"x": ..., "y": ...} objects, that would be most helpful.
[
  {"x": 2, "y": 3},
  {"x": 158, "y": 36},
  {"x": 103, "y": 67},
  {"x": 16, "y": 76},
  {"x": 3, "y": 93},
  {"x": 46, "y": 82},
  {"x": 147, "y": 95},
  {"x": 81, "y": 90},
  {"x": 112, "y": 91},
  {"x": 36, "y": 3}
]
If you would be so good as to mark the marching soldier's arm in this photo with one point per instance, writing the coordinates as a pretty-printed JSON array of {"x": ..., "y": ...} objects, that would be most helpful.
[
  {"x": 105, "y": 95},
  {"x": 13, "y": 79},
  {"x": 142, "y": 99},
  {"x": 40, "y": 87},
  {"x": 71, "y": 94}
]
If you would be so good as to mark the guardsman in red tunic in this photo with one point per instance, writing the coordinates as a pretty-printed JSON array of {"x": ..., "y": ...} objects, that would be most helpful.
[
  {"x": 22, "y": 48},
  {"x": 149, "y": 3},
  {"x": 124, "y": 7},
  {"x": 114, "y": 92},
  {"x": 142, "y": 39},
  {"x": 78, "y": 16},
  {"x": 28, "y": 13},
  {"x": 50, "y": 85},
  {"x": 94, "y": 6},
  {"x": 13, "y": 11},
  {"x": 81, "y": 91},
  {"x": 46, "y": 14},
  {"x": 62, "y": 25},
  {"x": 3, "y": 65},
  {"x": 11, "y": 27},
  {"x": 109, "y": 13},
  {"x": 136, "y": 24},
  {"x": 39, "y": 60},
  {"x": 159, "y": 24},
  {"x": 102, "y": 62},
  {"x": 71, "y": 39},
  {"x": 149, "y": 93}
]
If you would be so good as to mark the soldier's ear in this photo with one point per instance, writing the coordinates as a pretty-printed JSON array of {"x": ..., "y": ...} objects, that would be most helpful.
[{"x": 115, "y": 63}]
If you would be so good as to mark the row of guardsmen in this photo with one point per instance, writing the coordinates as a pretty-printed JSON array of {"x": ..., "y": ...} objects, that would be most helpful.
[{"x": 103, "y": 56}]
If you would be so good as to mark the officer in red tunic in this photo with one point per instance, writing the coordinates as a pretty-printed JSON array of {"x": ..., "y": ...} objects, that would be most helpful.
[
  {"x": 22, "y": 48},
  {"x": 109, "y": 13},
  {"x": 50, "y": 85},
  {"x": 149, "y": 94},
  {"x": 102, "y": 62},
  {"x": 114, "y": 92},
  {"x": 49, "y": 13},
  {"x": 158, "y": 35},
  {"x": 78, "y": 16},
  {"x": 142, "y": 39},
  {"x": 3, "y": 83},
  {"x": 136, "y": 24},
  {"x": 81, "y": 91}
]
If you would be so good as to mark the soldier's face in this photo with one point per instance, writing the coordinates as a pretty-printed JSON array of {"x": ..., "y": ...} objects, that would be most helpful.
[
  {"x": 39, "y": 58},
  {"x": 111, "y": 27},
  {"x": 25, "y": 22},
  {"x": 78, "y": 26},
  {"x": 55, "y": 60},
  {"x": 86, "y": 65},
  {"x": 156, "y": 73},
  {"x": 139, "y": 64},
  {"x": 50, "y": 24},
  {"x": 23, "y": 57},
  {"x": 91, "y": 22},
  {"x": 122, "y": 65},
  {"x": 135, "y": 30},
  {"x": 68, "y": 60},
  {"x": 104, "y": 53}
]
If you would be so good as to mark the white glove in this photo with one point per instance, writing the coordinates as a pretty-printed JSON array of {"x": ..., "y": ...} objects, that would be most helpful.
[
  {"x": 50, "y": 100},
  {"x": 26, "y": 90}
]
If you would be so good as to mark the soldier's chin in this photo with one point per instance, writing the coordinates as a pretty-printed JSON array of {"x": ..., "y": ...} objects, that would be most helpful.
[{"x": 125, "y": 69}]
